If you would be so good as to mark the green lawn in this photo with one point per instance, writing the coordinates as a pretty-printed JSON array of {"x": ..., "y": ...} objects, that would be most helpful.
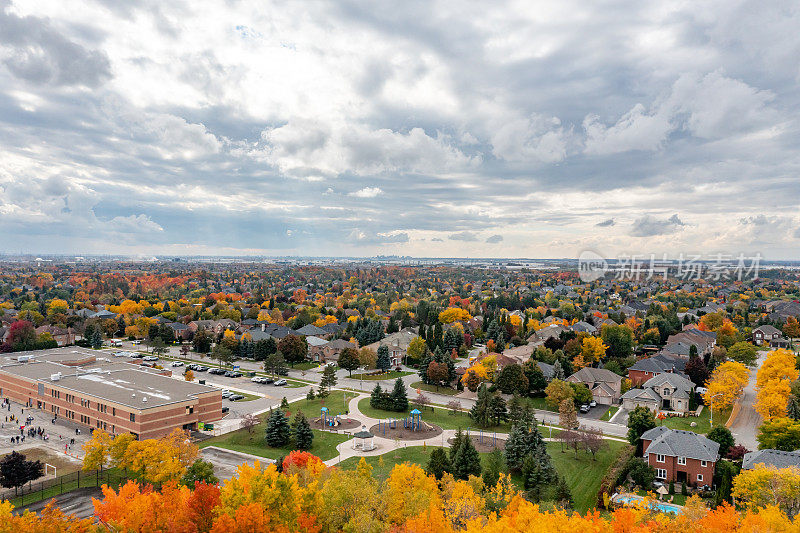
[
  {"x": 308, "y": 365},
  {"x": 253, "y": 443},
  {"x": 411, "y": 454},
  {"x": 608, "y": 414},
  {"x": 541, "y": 404},
  {"x": 703, "y": 421},
  {"x": 432, "y": 388},
  {"x": 335, "y": 402},
  {"x": 379, "y": 377},
  {"x": 584, "y": 475},
  {"x": 433, "y": 415}
]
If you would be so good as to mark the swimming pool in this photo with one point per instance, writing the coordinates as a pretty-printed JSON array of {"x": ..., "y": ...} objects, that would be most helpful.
[{"x": 632, "y": 499}]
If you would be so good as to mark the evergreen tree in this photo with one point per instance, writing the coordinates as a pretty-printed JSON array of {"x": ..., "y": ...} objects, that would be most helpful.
[
  {"x": 793, "y": 408},
  {"x": 481, "y": 412},
  {"x": 458, "y": 440},
  {"x": 563, "y": 494},
  {"x": 96, "y": 339},
  {"x": 558, "y": 370},
  {"x": 376, "y": 400},
  {"x": 494, "y": 466},
  {"x": 423, "y": 367},
  {"x": 278, "y": 431},
  {"x": 438, "y": 463},
  {"x": 328, "y": 380},
  {"x": 467, "y": 461},
  {"x": 303, "y": 436},
  {"x": 498, "y": 411},
  {"x": 515, "y": 409},
  {"x": 398, "y": 398},
  {"x": 384, "y": 363}
]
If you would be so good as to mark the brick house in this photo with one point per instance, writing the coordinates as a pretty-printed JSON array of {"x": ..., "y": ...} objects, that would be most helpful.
[
  {"x": 645, "y": 369},
  {"x": 606, "y": 386},
  {"x": 680, "y": 456},
  {"x": 765, "y": 334},
  {"x": 667, "y": 392}
]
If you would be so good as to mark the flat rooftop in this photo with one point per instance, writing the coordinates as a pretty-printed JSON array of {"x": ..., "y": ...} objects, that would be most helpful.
[{"x": 114, "y": 381}]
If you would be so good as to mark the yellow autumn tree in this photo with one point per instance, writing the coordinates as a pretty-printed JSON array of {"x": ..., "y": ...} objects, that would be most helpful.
[
  {"x": 780, "y": 364},
  {"x": 726, "y": 384},
  {"x": 593, "y": 349},
  {"x": 763, "y": 486},
  {"x": 772, "y": 399},
  {"x": 453, "y": 314}
]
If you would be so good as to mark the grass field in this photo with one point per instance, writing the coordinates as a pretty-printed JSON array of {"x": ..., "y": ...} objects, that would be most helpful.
[
  {"x": 336, "y": 402},
  {"x": 608, "y": 414},
  {"x": 63, "y": 465},
  {"x": 380, "y": 377},
  {"x": 583, "y": 475},
  {"x": 308, "y": 365},
  {"x": 433, "y": 415},
  {"x": 703, "y": 421},
  {"x": 432, "y": 388}
]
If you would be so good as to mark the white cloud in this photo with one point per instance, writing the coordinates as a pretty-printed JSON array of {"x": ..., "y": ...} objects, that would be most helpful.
[{"x": 367, "y": 192}]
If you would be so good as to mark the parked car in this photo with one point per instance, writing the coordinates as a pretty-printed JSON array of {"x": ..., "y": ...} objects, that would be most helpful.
[
  {"x": 584, "y": 408},
  {"x": 233, "y": 374},
  {"x": 147, "y": 364},
  {"x": 282, "y": 372},
  {"x": 593, "y": 404},
  {"x": 201, "y": 368},
  {"x": 280, "y": 383},
  {"x": 236, "y": 397},
  {"x": 136, "y": 343},
  {"x": 216, "y": 371},
  {"x": 225, "y": 410},
  {"x": 261, "y": 379},
  {"x": 226, "y": 394},
  {"x": 150, "y": 358},
  {"x": 177, "y": 363}
]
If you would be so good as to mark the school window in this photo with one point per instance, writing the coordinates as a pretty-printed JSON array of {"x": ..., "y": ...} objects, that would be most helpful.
[
  {"x": 661, "y": 473},
  {"x": 189, "y": 409},
  {"x": 682, "y": 460},
  {"x": 699, "y": 478},
  {"x": 660, "y": 458},
  {"x": 703, "y": 463},
  {"x": 133, "y": 417}
]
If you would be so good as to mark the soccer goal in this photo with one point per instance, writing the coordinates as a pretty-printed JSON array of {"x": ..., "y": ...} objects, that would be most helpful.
[{"x": 47, "y": 466}]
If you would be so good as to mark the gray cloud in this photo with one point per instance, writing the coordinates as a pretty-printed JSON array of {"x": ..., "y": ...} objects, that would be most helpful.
[
  {"x": 649, "y": 226},
  {"x": 605, "y": 223},
  {"x": 37, "y": 52},
  {"x": 494, "y": 239},
  {"x": 466, "y": 236}
]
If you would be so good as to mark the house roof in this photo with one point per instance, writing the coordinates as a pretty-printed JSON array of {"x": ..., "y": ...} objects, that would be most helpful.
[
  {"x": 592, "y": 375},
  {"x": 767, "y": 329},
  {"x": 680, "y": 443},
  {"x": 676, "y": 381},
  {"x": 311, "y": 329},
  {"x": 776, "y": 458},
  {"x": 641, "y": 394},
  {"x": 315, "y": 341}
]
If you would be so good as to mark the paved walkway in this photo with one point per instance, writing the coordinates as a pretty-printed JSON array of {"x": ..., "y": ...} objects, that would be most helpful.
[{"x": 745, "y": 425}]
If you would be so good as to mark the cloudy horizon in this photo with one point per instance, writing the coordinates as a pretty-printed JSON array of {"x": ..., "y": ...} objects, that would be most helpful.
[{"x": 510, "y": 129}]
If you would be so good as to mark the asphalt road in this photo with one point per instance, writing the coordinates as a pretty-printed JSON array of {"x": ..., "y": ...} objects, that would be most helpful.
[{"x": 746, "y": 423}]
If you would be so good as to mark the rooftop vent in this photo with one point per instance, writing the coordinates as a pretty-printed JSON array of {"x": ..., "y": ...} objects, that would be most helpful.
[
  {"x": 144, "y": 398},
  {"x": 55, "y": 377}
]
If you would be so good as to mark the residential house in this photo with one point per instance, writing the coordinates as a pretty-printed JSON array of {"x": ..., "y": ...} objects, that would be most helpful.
[
  {"x": 606, "y": 386},
  {"x": 661, "y": 363},
  {"x": 60, "y": 335},
  {"x": 551, "y": 331},
  {"x": 397, "y": 343},
  {"x": 680, "y": 456},
  {"x": 765, "y": 334},
  {"x": 330, "y": 351},
  {"x": 664, "y": 392},
  {"x": 311, "y": 329},
  {"x": 583, "y": 327}
]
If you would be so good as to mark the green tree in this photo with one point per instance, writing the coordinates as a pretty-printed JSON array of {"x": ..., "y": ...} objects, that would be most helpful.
[
  {"x": 481, "y": 412},
  {"x": 274, "y": 363},
  {"x": 303, "y": 436},
  {"x": 641, "y": 473},
  {"x": 416, "y": 350},
  {"x": 779, "y": 434},
  {"x": 348, "y": 360},
  {"x": 398, "y": 397},
  {"x": 619, "y": 340},
  {"x": 495, "y": 465},
  {"x": 639, "y": 420},
  {"x": 16, "y": 470},
  {"x": 378, "y": 398},
  {"x": 328, "y": 380},
  {"x": 563, "y": 495},
  {"x": 199, "y": 472},
  {"x": 384, "y": 363},
  {"x": 222, "y": 354},
  {"x": 582, "y": 394},
  {"x": 294, "y": 349},
  {"x": 467, "y": 461},
  {"x": 512, "y": 379},
  {"x": 278, "y": 432},
  {"x": 536, "y": 380},
  {"x": 743, "y": 352},
  {"x": 722, "y": 436},
  {"x": 438, "y": 463}
]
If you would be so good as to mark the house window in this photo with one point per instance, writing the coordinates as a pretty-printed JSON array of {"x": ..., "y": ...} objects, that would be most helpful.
[
  {"x": 699, "y": 478},
  {"x": 661, "y": 473},
  {"x": 682, "y": 461},
  {"x": 660, "y": 458},
  {"x": 703, "y": 463}
]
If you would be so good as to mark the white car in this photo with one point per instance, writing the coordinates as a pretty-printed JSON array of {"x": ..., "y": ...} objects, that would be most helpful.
[
  {"x": 280, "y": 383},
  {"x": 150, "y": 358},
  {"x": 177, "y": 363}
]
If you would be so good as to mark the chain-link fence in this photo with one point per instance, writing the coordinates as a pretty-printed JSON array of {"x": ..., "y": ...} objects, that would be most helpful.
[{"x": 35, "y": 491}]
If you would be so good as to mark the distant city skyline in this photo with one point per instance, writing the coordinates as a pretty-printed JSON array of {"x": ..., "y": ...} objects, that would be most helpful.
[{"x": 344, "y": 129}]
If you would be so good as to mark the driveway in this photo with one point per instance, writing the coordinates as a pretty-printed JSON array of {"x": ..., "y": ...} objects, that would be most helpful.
[{"x": 745, "y": 425}]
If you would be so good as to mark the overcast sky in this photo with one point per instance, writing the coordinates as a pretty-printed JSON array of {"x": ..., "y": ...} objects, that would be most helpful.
[{"x": 487, "y": 129}]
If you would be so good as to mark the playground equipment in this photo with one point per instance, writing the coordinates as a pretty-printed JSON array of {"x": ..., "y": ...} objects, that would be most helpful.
[
  {"x": 413, "y": 421},
  {"x": 328, "y": 420},
  {"x": 485, "y": 439},
  {"x": 383, "y": 425}
]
